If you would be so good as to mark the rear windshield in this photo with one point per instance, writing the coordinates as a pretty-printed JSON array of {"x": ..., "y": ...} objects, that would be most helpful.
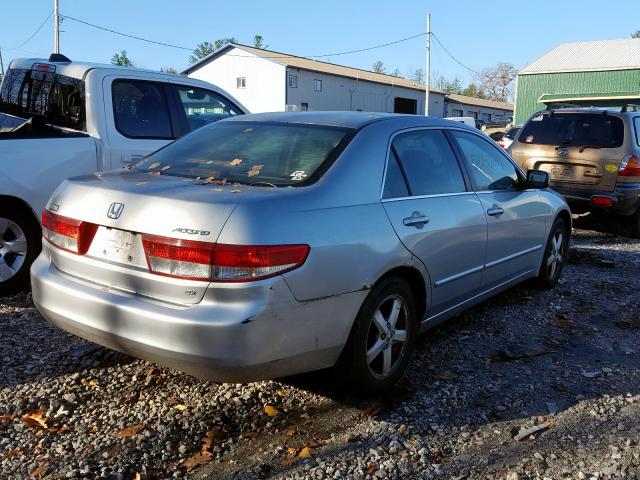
[
  {"x": 636, "y": 124},
  {"x": 574, "y": 129},
  {"x": 251, "y": 153},
  {"x": 57, "y": 99}
]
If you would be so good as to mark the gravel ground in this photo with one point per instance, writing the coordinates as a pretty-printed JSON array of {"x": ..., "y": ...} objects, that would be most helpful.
[{"x": 531, "y": 385}]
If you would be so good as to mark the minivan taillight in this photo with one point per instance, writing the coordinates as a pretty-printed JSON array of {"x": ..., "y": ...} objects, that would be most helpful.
[
  {"x": 629, "y": 167},
  {"x": 69, "y": 234},
  {"x": 218, "y": 262}
]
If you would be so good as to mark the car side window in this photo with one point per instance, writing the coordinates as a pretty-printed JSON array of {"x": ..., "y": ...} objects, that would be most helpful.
[
  {"x": 428, "y": 162},
  {"x": 204, "y": 106},
  {"x": 489, "y": 168},
  {"x": 140, "y": 109},
  {"x": 394, "y": 184}
]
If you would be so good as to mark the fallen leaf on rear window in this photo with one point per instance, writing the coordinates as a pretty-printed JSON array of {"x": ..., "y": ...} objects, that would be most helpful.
[
  {"x": 217, "y": 190},
  {"x": 236, "y": 190},
  {"x": 129, "y": 431},
  {"x": 155, "y": 173},
  {"x": 153, "y": 165},
  {"x": 305, "y": 453},
  {"x": 181, "y": 407},
  {"x": 271, "y": 411},
  {"x": 35, "y": 419},
  {"x": 141, "y": 183},
  {"x": 235, "y": 162},
  {"x": 196, "y": 459},
  {"x": 166, "y": 167},
  {"x": 209, "y": 179},
  {"x": 39, "y": 472},
  {"x": 255, "y": 170}
]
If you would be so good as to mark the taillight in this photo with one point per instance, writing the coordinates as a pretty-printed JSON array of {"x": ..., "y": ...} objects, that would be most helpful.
[
  {"x": 501, "y": 143},
  {"x": 602, "y": 201},
  {"x": 629, "y": 167},
  {"x": 69, "y": 234},
  {"x": 217, "y": 262}
]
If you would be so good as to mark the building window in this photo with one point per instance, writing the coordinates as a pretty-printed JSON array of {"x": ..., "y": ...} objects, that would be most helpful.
[
  {"x": 456, "y": 113},
  {"x": 317, "y": 85},
  {"x": 304, "y": 107},
  {"x": 473, "y": 115},
  {"x": 241, "y": 82},
  {"x": 486, "y": 117},
  {"x": 293, "y": 81}
]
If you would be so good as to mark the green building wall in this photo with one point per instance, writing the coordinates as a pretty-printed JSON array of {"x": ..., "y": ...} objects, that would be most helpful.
[{"x": 530, "y": 87}]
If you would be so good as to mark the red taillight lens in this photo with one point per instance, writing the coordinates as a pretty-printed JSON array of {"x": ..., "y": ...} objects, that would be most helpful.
[
  {"x": 501, "y": 143},
  {"x": 629, "y": 167},
  {"x": 219, "y": 262},
  {"x": 69, "y": 234},
  {"x": 600, "y": 201}
]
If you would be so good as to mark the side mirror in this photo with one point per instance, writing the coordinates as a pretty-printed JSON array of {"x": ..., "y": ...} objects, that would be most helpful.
[{"x": 537, "y": 179}]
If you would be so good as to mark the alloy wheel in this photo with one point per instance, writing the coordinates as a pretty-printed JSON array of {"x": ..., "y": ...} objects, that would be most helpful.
[
  {"x": 13, "y": 249},
  {"x": 387, "y": 336},
  {"x": 556, "y": 254}
]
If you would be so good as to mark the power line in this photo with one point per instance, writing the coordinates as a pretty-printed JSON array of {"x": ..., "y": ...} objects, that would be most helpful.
[
  {"x": 452, "y": 57},
  {"x": 135, "y": 37},
  {"x": 34, "y": 33}
]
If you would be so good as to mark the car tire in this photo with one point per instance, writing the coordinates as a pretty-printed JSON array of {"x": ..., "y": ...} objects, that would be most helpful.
[
  {"x": 634, "y": 224},
  {"x": 379, "y": 348},
  {"x": 555, "y": 255},
  {"x": 20, "y": 244}
]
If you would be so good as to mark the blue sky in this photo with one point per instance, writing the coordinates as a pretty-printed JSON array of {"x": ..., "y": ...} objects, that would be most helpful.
[{"x": 479, "y": 34}]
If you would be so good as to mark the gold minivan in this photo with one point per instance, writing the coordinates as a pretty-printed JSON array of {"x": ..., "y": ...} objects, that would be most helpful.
[{"x": 592, "y": 156}]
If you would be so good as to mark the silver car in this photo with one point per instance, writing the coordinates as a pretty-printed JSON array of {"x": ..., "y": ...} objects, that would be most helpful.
[{"x": 267, "y": 245}]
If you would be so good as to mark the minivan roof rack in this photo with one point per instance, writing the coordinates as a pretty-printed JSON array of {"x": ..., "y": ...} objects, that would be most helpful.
[
  {"x": 553, "y": 106},
  {"x": 59, "y": 58},
  {"x": 630, "y": 107}
]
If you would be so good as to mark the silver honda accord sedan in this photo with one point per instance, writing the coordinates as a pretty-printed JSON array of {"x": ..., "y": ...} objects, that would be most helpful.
[{"x": 268, "y": 245}]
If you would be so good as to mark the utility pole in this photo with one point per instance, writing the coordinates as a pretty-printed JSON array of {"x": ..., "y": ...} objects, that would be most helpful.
[
  {"x": 1, "y": 64},
  {"x": 56, "y": 27},
  {"x": 427, "y": 74}
]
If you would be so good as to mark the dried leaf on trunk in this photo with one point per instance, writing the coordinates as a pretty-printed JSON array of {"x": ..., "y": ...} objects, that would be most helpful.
[
  {"x": 255, "y": 170},
  {"x": 153, "y": 165},
  {"x": 235, "y": 162}
]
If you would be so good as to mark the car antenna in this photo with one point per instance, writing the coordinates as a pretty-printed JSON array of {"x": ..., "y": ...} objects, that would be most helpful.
[{"x": 59, "y": 58}]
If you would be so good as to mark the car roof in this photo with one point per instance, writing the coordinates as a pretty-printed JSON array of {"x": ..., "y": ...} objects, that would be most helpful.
[
  {"x": 346, "y": 119},
  {"x": 594, "y": 110}
]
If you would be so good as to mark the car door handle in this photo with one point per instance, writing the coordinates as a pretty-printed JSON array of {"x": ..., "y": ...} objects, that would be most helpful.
[
  {"x": 495, "y": 211},
  {"x": 415, "y": 220}
]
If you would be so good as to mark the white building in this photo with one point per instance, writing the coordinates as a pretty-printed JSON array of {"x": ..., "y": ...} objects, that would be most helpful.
[{"x": 268, "y": 81}]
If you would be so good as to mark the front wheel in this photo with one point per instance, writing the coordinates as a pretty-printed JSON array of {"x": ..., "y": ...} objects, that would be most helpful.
[
  {"x": 20, "y": 244},
  {"x": 381, "y": 340},
  {"x": 555, "y": 255}
]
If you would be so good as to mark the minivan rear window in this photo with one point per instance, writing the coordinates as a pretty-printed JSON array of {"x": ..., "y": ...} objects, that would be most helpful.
[
  {"x": 597, "y": 130},
  {"x": 275, "y": 154},
  {"x": 636, "y": 124}
]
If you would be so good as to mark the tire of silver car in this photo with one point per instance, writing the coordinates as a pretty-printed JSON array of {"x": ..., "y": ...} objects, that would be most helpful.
[
  {"x": 381, "y": 340},
  {"x": 634, "y": 224},
  {"x": 20, "y": 244},
  {"x": 555, "y": 255}
]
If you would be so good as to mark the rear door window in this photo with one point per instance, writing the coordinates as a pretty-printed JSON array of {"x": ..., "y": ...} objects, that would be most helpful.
[
  {"x": 597, "y": 130},
  {"x": 428, "y": 162},
  {"x": 140, "y": 109},
  {"x": 204, "y": 106},
  {"x": 636, "y": 124}
]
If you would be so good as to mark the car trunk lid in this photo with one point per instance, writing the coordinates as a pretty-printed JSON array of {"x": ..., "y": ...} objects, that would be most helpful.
[{"x": 125, "y": 206}]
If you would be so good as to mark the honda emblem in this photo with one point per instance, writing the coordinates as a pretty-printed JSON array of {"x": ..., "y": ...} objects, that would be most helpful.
[{"x": 115, "y": 210}]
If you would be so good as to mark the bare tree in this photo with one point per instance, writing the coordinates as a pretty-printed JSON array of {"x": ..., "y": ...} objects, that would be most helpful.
[
  {"x": 378, "y": 67},
  {"x": 169, "y": 70},
  {"x": 636, "y": 34},
  {"x": 418, "y": 76},
  {"x": 206, "y": 48},
  {"x": 496, "y": 83},
  {"x": 396, "y": 73},
  {"x": 121, "y": 59}
]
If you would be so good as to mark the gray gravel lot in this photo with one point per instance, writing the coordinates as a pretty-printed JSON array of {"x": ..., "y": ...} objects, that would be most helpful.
[{"x": 531, "y": 385}]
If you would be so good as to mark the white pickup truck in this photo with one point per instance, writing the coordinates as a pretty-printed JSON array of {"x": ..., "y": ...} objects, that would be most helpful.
[{"x": 60, "y": 119}]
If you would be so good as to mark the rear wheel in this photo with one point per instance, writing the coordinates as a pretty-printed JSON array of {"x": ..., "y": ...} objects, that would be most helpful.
[
  {"x": 555, "y": 255},
  {"x": 634, "y": 224},
  {"x": 20, "y": 244},
  {"x": 382, "y": 338}
]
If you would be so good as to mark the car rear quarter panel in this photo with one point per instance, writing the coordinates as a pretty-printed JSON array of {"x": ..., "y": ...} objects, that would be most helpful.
[{"x": 352, "y": 241}]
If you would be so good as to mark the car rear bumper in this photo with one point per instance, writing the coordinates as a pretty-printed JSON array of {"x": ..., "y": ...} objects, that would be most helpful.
[
  {"x": 269, "y": 337},
  {"x": 625, "y": 197}
]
